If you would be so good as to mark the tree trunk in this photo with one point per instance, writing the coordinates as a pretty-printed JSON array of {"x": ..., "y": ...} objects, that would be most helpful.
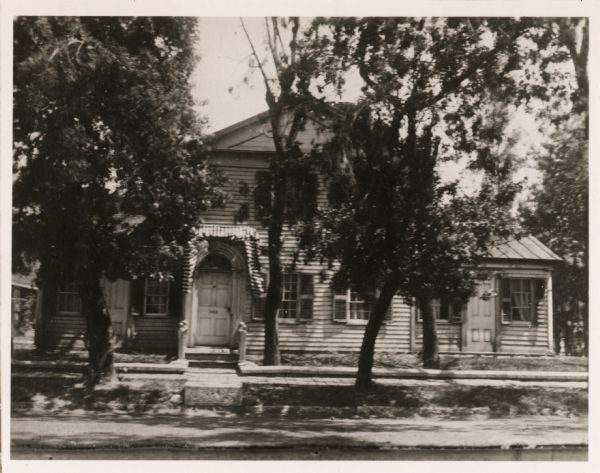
[
  {"x": 367, "y": 350},
  {"x": 271, "y": 354},
  {"x": 101, "y": 367},
  {"x": 431, "y": 356}
]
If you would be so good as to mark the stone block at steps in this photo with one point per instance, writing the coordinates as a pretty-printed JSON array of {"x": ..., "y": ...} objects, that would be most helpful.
[{"x": 211, "y": 394}]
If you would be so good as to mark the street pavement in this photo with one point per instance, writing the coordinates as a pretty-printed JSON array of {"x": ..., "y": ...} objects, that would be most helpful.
[{"x": 220, "y": 432}]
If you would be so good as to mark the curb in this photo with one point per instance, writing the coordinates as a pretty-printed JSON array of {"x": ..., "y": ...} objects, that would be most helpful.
[{"x": 250, "y": 369}]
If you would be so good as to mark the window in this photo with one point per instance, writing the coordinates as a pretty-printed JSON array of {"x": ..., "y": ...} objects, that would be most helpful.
[
  {"x": 520, "y": 298},
  {"x": 152, "y": 297},
  {"x": 156, "y": 297},
  {"x": 296, "y": 299},
  {"x": 350, "y": 307},
  {"x": 444, "y": 311},
  {"x": 69, "y": 302}
]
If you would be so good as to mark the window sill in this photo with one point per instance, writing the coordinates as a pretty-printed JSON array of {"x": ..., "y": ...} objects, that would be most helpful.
[
  {"x": 154, "y": 316},
  {"x": 293, "y": 321},
  {"x": 519, "y": 323}
]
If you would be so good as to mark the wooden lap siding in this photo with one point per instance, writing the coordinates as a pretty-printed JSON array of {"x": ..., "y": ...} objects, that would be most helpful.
[
  {"x": 527, "y": 338},
  {"x": 155, "y": 334},
  {"x": 321, "y": 334},
  {"x": 65, "y": 331},
  {"x": 449, "y": 336},
  {"x": 149, "y": 333},
  {"x": 514, "y": 337}
]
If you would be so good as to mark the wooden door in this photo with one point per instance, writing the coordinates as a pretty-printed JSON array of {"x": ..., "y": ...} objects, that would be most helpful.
[
  {"x": 480, "y": 323},
  {"x": 213, "y": 313}
]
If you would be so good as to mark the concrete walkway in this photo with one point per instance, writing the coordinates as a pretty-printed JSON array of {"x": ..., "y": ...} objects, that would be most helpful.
[{"x": 226, "y": 430}]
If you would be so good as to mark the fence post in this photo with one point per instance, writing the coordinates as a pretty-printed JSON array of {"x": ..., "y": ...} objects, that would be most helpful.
[
  {"x": 181, "y": 337},
  {"x": 242, "y": 330}
]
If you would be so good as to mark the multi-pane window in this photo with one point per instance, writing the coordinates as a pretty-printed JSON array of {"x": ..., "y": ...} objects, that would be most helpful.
[
  {"x": 445, "y": 311},
  {"x": 519, "y": 299},
  {"x": 297, "y": 297},
  {"x": 350, "y": 307},
  {"x": 69, "y": 302},
  {"x": 156, "y": 297},
  {"x": 152, "y": 297}
]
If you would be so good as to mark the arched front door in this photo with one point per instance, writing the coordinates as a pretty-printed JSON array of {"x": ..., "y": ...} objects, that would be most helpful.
[{"x": 213, "y": 287}]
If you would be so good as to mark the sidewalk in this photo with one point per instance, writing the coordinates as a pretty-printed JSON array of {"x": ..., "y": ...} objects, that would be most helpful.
[{"x": 226, "y": 430}]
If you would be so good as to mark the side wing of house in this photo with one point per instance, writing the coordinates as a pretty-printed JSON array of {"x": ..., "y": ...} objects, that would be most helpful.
[{"x": 511, "y": 311}]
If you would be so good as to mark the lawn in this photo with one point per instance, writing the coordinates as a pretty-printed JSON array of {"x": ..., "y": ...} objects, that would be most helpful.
[
  {"x": 448, "y": 362},
  {"x": 82, "y": 355},
  {"x": 442, "y": 399}
]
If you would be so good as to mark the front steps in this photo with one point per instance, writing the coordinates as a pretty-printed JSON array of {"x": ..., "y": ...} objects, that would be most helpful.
[
  {"x": 211, "y": 357},
  {"x": 212, "y": 377}
]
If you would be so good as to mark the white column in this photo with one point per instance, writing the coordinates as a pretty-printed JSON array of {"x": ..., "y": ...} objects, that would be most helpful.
[{"x": 550, "y": 315}]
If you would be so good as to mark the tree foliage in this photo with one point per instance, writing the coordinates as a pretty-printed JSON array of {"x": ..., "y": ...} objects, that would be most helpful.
[
  {"x": 435, "y": 91},
  {"x": 558, "y": 209},
  {"x": 285, "y": 194},
  {"x": 110, "y": 175}
]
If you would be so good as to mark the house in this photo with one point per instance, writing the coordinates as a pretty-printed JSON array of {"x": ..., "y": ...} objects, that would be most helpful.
[{"x": 222, "y": 286}]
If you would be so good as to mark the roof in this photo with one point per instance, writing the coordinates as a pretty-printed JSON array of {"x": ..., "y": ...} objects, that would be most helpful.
[
  {"x": 254, "y": 134},
  {"x": 527, "y": 247}
]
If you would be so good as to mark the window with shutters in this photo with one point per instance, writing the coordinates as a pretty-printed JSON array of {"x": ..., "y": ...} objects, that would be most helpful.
[
  {"x": 296, "y": 299},
  {"x": 68, "y": 300},
  {"x": 520, "y": 298},
  {"x": 349, "y": 307},
  {"x": 443, "y": 311}
]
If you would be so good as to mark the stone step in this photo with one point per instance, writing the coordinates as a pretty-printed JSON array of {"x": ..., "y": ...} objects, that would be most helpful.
[{"x": 212, "y": 363}]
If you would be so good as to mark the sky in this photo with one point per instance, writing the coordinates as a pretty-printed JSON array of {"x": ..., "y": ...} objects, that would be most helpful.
[
  {"x": 225, "y": 93},
  {"x": 219, "y": 78}
]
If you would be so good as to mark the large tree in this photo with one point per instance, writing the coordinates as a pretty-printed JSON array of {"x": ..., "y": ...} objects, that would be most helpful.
[
  {"x": 286, "y": 194},
  {"x": 110, "y": 176},
  {"x": 429, "y": 89},
  {"x": 557, "y": 211}
]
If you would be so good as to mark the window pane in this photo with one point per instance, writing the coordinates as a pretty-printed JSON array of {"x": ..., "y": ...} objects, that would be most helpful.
[
  {"x": 289, "y": 299},
  {"x": 339, "y": 310},
  {"x": 306, "y": 308},
  {"x": 157, "y": 297},
  {"x": 306, "y": 284},
  {"x": 359, "y": 309},
  {"x": 288, "y": 310},
  {"x": 69, "y": 301}
]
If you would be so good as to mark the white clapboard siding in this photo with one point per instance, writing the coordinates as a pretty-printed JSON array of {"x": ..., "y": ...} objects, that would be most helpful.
[
  {"x": 65, "y": 331},
  {"x": 321, "y": 334},
  {"x": 70, "y": 330},
  {"x": 448, "y": 334},
  {"x": 527, "y": 338},
  {"x": 155, "y": 333}
]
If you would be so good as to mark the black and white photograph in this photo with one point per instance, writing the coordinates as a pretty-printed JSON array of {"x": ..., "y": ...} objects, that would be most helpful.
[{"x": 317, "y": 237}]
